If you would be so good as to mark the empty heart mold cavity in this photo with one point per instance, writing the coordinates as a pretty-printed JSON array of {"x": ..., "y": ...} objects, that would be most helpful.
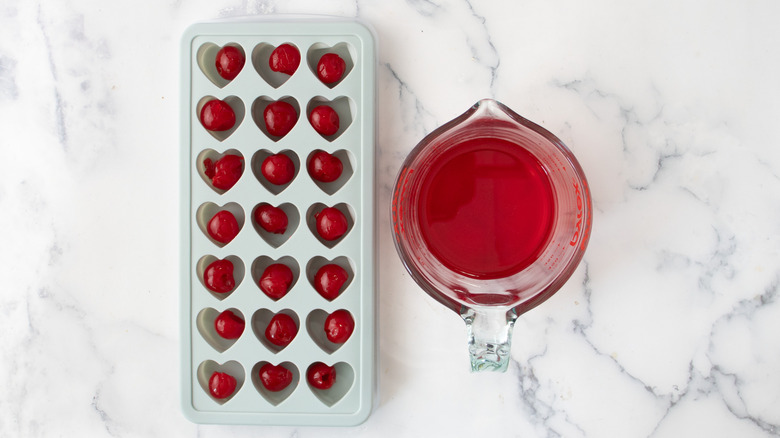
[
  {"x": 345, "y": 377},
  {"x": 214, "y": 156},
  {"x": 258, "y": 109},
  {"x": 347, "y": 161},
  {"x": 344, "y": 107},
  {"x": 257, "y": 169},
  {"x": 209, "y": 367},
  {"x": 261, "y": 55},
  {"x": 260, "y": 321},
  {"x": 207, "y": 211},
  {"x": 315, "y": 326},
  {"x": 207, "y": 61},
  {"x": 205, "y": 323},
  {"x": 275, "y": 397},
  {"x": 344, "y": 50},
  {"x": 236, "y": 104},
  {"x": 318, "y": 262},
  {"x": 262, "y": 262},
  {"x": 311, "y": 221},
  {"x": 238, "y": 273},
  {"x": 274, "y": 239}
]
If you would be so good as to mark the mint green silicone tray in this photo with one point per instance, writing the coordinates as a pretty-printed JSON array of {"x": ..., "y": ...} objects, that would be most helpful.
[{"x": 350, "y": 400}]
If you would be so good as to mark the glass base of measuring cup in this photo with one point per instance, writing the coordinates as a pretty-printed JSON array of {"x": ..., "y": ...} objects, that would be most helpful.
[{"x": 489, "y": 334}]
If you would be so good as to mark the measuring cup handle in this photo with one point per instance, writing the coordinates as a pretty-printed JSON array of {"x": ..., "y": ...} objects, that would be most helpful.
[{"x": 489, "y": 336}]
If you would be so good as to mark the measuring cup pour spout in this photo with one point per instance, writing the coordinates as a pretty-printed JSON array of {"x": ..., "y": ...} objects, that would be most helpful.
[{"x": 489, "y": 332}]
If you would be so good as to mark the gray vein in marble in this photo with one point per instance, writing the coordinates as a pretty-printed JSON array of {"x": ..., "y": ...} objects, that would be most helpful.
[
  {"x": 8, "y": 88},
  {"x": 721, "y": 383},
  {"x": 718, "y": 262},
  {"x": 719, "y": 379},
  {"x": 657, "y": 121},
  {"x": 405, "y": 91},
  {"x": 697, "y": 383},
  {"x": 414, "y": 118},
  {"x": 748, "y": 307},
  {"x": 20, "y": 390},
  {"x": 661, "y": 163},
  {"x": 529, "y": 384},
  {"x": 249, "y": 7},
  {"x": 540, "y": 411},
  {"x": 699, "y": 386},
  {"x": 580, "y": 327},
  {"x": 492, "y": 67},
  {"x": 105, "y": 418},
  {"x": 62, "y": 134},
  {"x": 426, "y": 8},
  {"x": 674, "y": 401},
  {"x": 586, "y": 88},
  {"x": 769, "y": 168}
]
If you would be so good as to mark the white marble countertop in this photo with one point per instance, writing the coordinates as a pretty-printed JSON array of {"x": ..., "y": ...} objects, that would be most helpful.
[{"x": 669, "y": 327}]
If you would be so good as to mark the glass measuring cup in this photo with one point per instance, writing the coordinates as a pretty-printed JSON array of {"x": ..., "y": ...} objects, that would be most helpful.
[{"x": 491, "y": 216}]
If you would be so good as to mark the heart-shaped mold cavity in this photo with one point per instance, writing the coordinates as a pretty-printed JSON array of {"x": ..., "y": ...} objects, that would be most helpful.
[
  {"x": 259, "y": 159},
  {"x": 315, "y": 326},
  {"x": 236, "y": 104},
  {"x": 207, "y": 61},
  {"x": 261, "y": 55},
  {"x": 238, "y": 273},
  {"x": 258, "y": 113},
  {"x": 316, "y": 263},
  {"x": 260, "y": 321},
  {"x": 312, "y": 219},
  {"x": 344, "y": 107},
  {"x": 346, "y": 159},
  {"x": 263, "y": 262},
  {"x": 277, "y": 239},
  {"x": 275, "y": 397},
  {"x": 205, "y": 323},
  {"x": 342, "y": 383},
  {"x": 231, "y": 367},
  {"x": 208, "y": 210},
  {"x": 206, "y": 162},
  {"x": 343, "y": 50}
]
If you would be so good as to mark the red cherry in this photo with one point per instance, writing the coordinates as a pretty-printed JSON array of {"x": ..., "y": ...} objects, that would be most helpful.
[
  {"x": 321, "y": 376},
  {"x": 217, "y": 115},
  {"x": 324, "y": 120},
  {"x": 270, "y": 218},
  {"x": 226, "y": 172},
  {"x": 328, "y": 281},
  {"x": 339, "y": 326},
  {"x": 285, "y": 59},
  {"x": 278, "y": 169},
  {"x": 275, "y": 377},
  {"x": 276, "y": 280},
  {"x": 330, "y": 68},
  {"x": 279, "y": 117},
  {"x": 209, "y": 168},
  {"x": 331, "y": 223},
  {"x": 281, "y": 330},
  {"x": 223, "y": 226},
  {"x": 218, "y": 276},
  {"x": 229, "y": 325},
  {"x": 325, "y": 167},
  {"x": 230, "y": 60},
  {"x": 222, "y": 385}
]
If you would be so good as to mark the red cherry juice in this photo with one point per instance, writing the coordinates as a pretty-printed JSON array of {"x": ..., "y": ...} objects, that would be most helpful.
[{"x": 486, "y": 208}]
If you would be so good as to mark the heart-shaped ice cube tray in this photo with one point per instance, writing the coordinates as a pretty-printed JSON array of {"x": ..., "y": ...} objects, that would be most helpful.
[{"x": 350, "y": 400}]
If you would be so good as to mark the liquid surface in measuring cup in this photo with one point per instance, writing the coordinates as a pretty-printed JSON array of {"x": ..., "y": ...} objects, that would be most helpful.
[{"x": 486, "y": 208}]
